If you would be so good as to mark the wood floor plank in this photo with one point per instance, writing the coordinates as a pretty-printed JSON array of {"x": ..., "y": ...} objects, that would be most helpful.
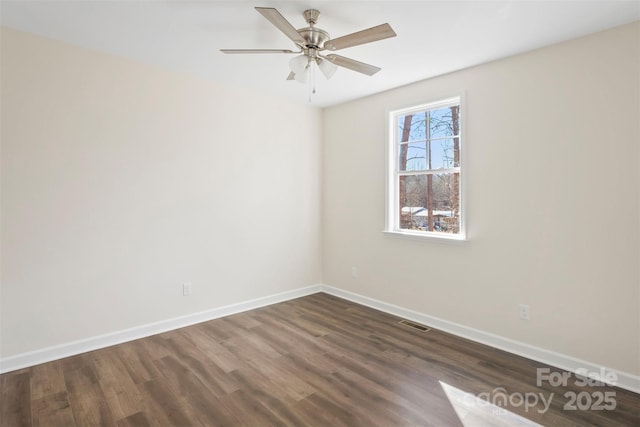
[
  {"x": 246, "y": 320},
  {"x": 319, "y": 410},
  {"x": 137, "y": 357},
  {"x": 139, "y": 419},
  {"x": 16, "y": 399},
  {"x": 216, "y": 352},
  {"x": 49, "y": 397},
  {"x": 52, "y": 410},
  {"x": 313, "y": 361},
  {"x": 266, "y": 396},
  {"x": 168, "y": 407},
  {"x": 342, "y": 396},
  {"x": 250, "y": 350},
  {"x": 88, "y": 402},
  {"x": 201, "y": 365},
  {"x": 278, "y": 372},
  {"x": 121, "y": 393},
  {"x": 47, "y": 379},
  {"x": 199, "y": 401},
  {"x": 251, "y": 412},
  {"x": 221, "y": 329},
  {"x": 390, "y": 384}
]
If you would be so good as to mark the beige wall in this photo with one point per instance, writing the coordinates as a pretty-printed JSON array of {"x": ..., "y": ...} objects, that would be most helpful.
[
  {"x": 120, "y": 181},
  {"x": 551, "y": 166}
]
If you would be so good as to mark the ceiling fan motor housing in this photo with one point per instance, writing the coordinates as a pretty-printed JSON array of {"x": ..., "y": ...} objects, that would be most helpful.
[{"x": 314, "y": 37}]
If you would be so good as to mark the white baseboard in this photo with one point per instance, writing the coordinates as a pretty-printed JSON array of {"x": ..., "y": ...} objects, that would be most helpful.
[
  {"x": 48, "y": 354},
  {"x": 624, "y": 380}
]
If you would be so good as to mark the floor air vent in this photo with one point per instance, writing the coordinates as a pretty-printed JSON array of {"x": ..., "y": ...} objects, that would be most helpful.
[{"x": 415, "y": 325}]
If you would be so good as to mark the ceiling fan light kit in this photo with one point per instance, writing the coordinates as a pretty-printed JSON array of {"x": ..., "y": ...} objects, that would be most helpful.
[
  {"x": 311, "y": 41},
  {"x": 327, "y": 68}
]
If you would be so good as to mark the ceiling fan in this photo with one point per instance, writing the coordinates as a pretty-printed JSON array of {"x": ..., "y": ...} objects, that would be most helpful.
[{"x": 311, "y": 41}]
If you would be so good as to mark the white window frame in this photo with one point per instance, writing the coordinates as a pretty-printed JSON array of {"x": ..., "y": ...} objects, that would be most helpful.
[{"x": 392, "y": 220}]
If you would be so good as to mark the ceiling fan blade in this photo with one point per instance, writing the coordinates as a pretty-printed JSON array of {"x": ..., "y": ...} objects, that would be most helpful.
[
  {"x": 291, "y": 76},
  {"x": 369, "y": 35},
  {"x": 257, "y": 51},
  {"x": 354, "y": 65},
  {"x": 282, "y": 24}
]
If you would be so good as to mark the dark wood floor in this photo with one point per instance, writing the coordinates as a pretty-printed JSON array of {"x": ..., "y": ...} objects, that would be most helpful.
[{"x": 313, "y": 361}]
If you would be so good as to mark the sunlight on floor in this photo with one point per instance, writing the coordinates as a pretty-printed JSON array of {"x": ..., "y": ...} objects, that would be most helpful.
[{"x": 476, "y": 412}]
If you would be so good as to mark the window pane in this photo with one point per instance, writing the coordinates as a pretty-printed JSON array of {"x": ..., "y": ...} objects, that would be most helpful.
[
  {"x": 412, "y": 127},
  {"x": 445, "y": 153},
  {"x": 412, "y": 201},
  {"x": 413, "y": 156},
  {"x": 430, "y": 202},
  {"x": 444, "y": 122}
]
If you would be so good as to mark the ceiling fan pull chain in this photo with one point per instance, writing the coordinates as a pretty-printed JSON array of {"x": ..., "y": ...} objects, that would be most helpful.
[{"x": 313, "y": 78}]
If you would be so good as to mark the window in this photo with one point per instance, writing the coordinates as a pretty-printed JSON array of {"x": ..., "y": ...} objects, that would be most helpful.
[{"x": 423, "y": 191}]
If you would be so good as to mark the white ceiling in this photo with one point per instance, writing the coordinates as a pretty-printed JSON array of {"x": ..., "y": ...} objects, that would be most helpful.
[{"x": 434, "y": 37}]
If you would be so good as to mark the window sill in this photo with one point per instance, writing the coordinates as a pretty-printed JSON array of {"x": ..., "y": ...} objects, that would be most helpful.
[{"x": 437, "y": 237}]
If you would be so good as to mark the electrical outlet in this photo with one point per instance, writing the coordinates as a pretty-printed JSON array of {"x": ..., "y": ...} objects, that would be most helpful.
[
  {"x": 354, "y": 271},
  {"x": 523, "y": 311},
  {"x": 186, "y": 289}
]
